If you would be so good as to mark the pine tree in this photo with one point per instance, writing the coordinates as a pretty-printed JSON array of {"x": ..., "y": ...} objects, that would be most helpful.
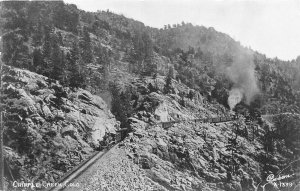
[
  {"x": 121, "y": 105},
  {"x": 47, "y": 42},
  {"x": 46, "y": 65},
  {"x": 37, "y": 36},
  {"x": 149, "y": 67},
  {"x": 105, "y": 78},
  {"x": 59, "y": 14},
  {"x": 168, "y": 85},
  {"x": 232, "y": 147},
  {"x": 137, "y": 57},
  {"x": 76, "y": 68},
  {"x": 75, "y": 78},
  {"x": 15, "y": 30},
  {"x": 68, "y": 64},
  {"x": 95, "y": 81},
  {"x": 103, "y": 59},
  {"x": 141, "y": 55},
  {"x": 64, "y": 69},
  {"x": 37, "y": 60},
  {"x": 56, "y": 60},
  {"x": 86, "y": 46}
]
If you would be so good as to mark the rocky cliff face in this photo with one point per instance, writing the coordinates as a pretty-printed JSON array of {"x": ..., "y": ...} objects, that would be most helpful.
[
  {"x": 48, "y": 128},
  {"x": 196, "y": 156},
  {"x": 179, "y": 104},
  {"x": 193, "y": 156}
]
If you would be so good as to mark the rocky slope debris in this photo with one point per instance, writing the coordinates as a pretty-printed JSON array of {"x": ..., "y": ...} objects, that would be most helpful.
[
  {"x": 49, "y": 129},
  {"x": 235, "y": 155},
  {"x": 115, "y": 171},
  {"x": 193, "y": 156}
]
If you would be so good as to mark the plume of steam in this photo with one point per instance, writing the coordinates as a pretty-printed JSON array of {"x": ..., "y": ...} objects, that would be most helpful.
[
  {"x": 242, "y": 74},
  {"x": 235, "y": 97}
]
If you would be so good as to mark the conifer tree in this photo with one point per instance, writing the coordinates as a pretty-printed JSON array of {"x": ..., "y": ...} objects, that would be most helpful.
[
  {"x": 168, "y": 85},
  {"x": 142, "y": 54},
  {"x": 56, "y": 60},
  {"x": 232, "y": 147},
  {"x": 37, "y": 35},
  {"x": 47, "y": 42},
  {"x": 121, "y": 104},
  {"x": 46, "y": 65},
  {"x": 68, "y": 65},
  {"x": 76, "y": 68},
  {"x": 37, "y": 60},
  {"x": 103, "y": 59},
  {"x": 15, "y": 28},
  {"x": 64, "y": 69},
  {"x": 87, "y": 53}
]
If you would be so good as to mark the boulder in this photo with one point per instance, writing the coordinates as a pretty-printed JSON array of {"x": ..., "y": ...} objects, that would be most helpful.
[
  {"x": 47, "y": 112},
  {"x": 161, "y": 145},
  {"x": 59, "y": 114},
  {"x": 72, "y": 116},
  {"x": 25, "y": 100},
  {"x": 146, "y": 162},
  {"x": 68, "y": 130},
  {"x": 88, "y": 98},
  {"x": 162, "y": 112}
]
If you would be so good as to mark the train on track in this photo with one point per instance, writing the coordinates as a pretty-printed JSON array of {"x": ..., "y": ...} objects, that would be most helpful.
[
  {"x": 221, "y": 119},
  {"x": 111, "y": 139}
]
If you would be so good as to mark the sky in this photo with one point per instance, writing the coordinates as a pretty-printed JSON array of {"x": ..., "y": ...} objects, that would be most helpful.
[{"x": 271, "y": 27}]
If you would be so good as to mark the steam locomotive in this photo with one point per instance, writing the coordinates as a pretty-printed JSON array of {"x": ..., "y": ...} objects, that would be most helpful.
[{"x": 110, "y": 139}]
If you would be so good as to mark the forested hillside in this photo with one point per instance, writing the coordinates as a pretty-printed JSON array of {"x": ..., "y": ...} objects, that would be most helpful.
[
  {"x": 82, "y": 49},
  {"x": 145, "y": 75}
]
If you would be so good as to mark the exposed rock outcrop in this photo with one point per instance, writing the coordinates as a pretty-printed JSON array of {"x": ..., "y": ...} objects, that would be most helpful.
[
  {"x": 195, "y": 156},
  {"x": 49, "y": 128},
  {"x": 191, "y": 156}
]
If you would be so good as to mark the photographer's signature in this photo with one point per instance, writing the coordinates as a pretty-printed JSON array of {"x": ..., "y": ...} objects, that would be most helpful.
[{"x": 281, "y": 180}]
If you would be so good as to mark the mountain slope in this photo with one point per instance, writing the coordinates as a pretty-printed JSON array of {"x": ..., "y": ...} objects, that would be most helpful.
[
  {"x": 49, "y": 129},
  {"x": 55, "y": 54}
]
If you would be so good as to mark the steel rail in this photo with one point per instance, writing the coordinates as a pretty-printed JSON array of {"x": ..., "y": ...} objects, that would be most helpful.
[{"x": 77, "y": 171}]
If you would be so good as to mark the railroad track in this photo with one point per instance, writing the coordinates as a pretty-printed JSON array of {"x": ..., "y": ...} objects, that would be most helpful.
[{"x": 77, "y": 171}]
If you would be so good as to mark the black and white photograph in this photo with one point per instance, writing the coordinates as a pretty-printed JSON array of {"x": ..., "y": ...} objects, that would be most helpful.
[{"x": 150, "y": 95}]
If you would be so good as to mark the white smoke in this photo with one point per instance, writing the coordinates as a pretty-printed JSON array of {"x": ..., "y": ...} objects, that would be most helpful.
[
  {"x": 235, "y": 97},
  {"x": 242, "y": 74}
]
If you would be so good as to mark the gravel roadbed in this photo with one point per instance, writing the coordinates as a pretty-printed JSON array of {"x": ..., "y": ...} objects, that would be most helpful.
[{"x": 113, "y": 172}]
